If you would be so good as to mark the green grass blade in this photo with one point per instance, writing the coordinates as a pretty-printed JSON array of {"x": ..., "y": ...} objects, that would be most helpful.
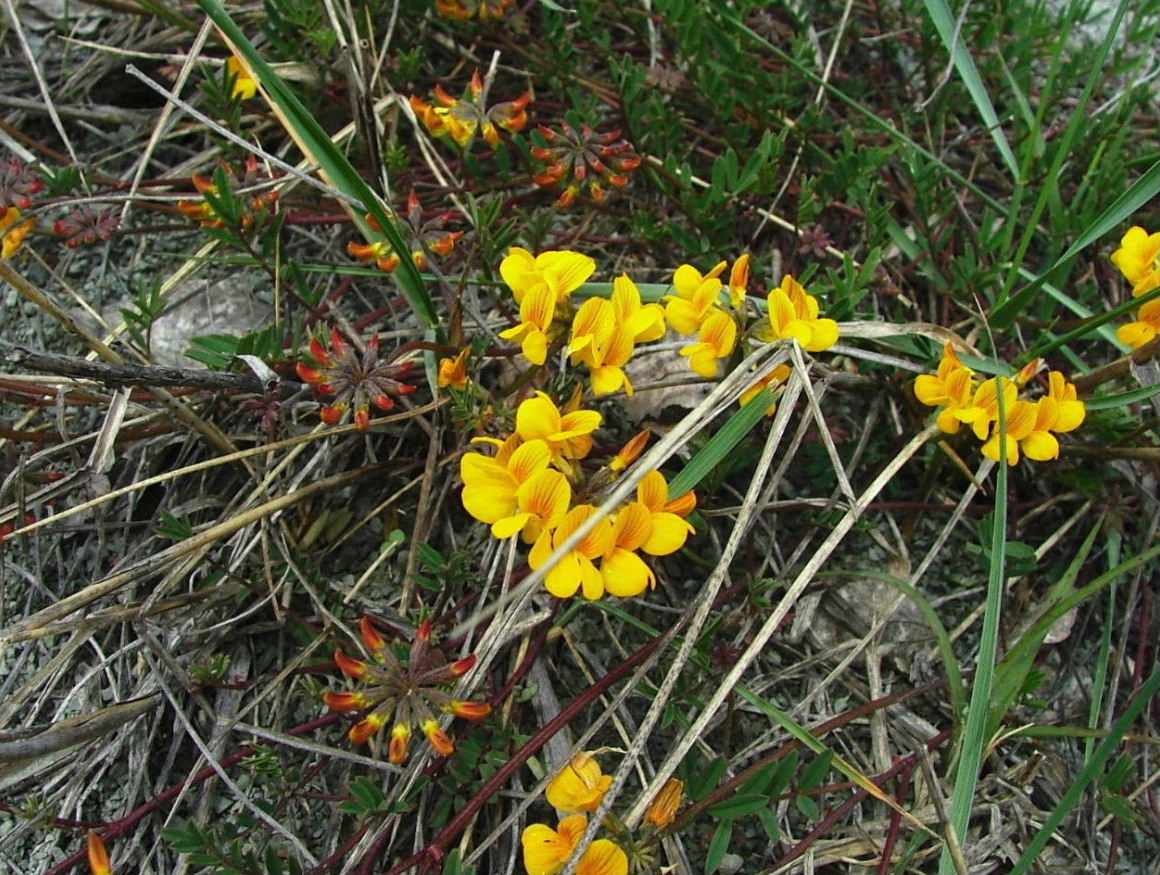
[
  {"x": 1140, "y": 193},
  {"x": 1090, "y": 771},
  {"x": 974, "y": 737},
  {"x": 1015, "y": 666},
  {"x": 331, "y": 161},
  {"x": 965, "y": 66},
  {"x": 1005, "y": 313},
  {"x": 721, "y": 444}
]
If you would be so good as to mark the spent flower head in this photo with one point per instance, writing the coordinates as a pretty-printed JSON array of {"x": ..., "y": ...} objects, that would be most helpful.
[
  {"x": 403, "y": 694},
  {"x": 354, "y": 380},
  {"x": 18, "y": 183}
]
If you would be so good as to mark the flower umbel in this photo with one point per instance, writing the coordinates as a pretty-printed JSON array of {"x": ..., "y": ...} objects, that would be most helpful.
[
  {"x": 461, "y": 118},
  {"x": 18, "y": 183},
  {"x": 582, "y": 159},
  {"x": 605, "y": 334},
  {"x": 793, "y": 313},
  {"x": 422, "y": 236},
  {"x": 84, "y": 225},
  {"x": 541, "y": 285},
  {"x": 355, "y": 381},
  {"x": 464, "y": 10},
  {"x": 403, "y": 694}
]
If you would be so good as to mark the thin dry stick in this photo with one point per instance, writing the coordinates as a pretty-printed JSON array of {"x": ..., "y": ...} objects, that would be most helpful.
[
  {"x": 705, "y": 601},
  {"x": 805, "y": 576}
]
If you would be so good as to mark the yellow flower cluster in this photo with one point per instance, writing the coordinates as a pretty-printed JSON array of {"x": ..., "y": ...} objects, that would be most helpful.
[
  {"x": 605, "y": 334},
  {"x": 541, "y": 285},
  {"x": 1138, "y": 259},
  {"x": 578, "y": 789},
  {"x": 526, "y": 489},
  {"x": 1030, "y": 424}
]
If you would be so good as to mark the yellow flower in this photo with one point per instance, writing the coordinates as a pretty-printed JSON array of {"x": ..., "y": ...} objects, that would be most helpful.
[
  {"x": 1030, "y": 423},
  {"x": 651, "y": 524},
  {"x": 13, "y": 231},
  {"x": 951, "y": 388},
  {"x": 244, "y": 86},
  {"x": 541, "y": 284},
  {"x": 569, "y": 436},
  {"x": 603, "y": 857},
  {"x": 1146, "y": 326},
  {"x": 580, "y": 785},
  {"x": 453, "y": 372},
  {"x": 547, "y": 850},
  {"x": 515, "y": 491},
  {"x": 1138, "y": 259},
  {"x": 983, "y": 408},
  {"x": 696, "y": 297},
  {"x": 605, "y": 334},
  {"x": 715, "y": 340},
  {"x": 773, "y": 379},
  {"x": 793, "y": 313},
  {"x": 577, "y": 569}
]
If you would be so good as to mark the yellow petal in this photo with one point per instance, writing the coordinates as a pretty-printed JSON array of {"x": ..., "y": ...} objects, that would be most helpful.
[
  {"x": 1041, "y": 446},
  {"x": 537, "y": 417},
  {"x": 669, "y": 533},
  {"x": 508, "y": 526},
  {"x": 824, "y": 335},
  {"x": 603, "y": 857},
  {"x": 625, "y": 574}
]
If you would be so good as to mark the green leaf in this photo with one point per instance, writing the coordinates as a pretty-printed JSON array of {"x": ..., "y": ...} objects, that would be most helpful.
[
  {"x": 718, "y": 846},
  {"x": 1074, "y": 793},
  {"x": 721, "y": 444},
  {"x": 738, "y": 805}
]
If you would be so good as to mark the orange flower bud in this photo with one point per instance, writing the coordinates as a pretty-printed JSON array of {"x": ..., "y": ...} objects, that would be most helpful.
[
  {"x": 663, "y": 810},
  {"x": 98, "y": 856},
  {"x": 345, "y": 701},
  {"x": 469, "y": 710},
  {"x": 630, "y": 451},
  {"x": 438, "y": 738},
  {"x": 354, "y": 668},
  {"x": 367, "y": 727},
  {"x": 462, "y": 666},
  {"x": 397, "y": 748},
  {"x": 375, "y": 642}
]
